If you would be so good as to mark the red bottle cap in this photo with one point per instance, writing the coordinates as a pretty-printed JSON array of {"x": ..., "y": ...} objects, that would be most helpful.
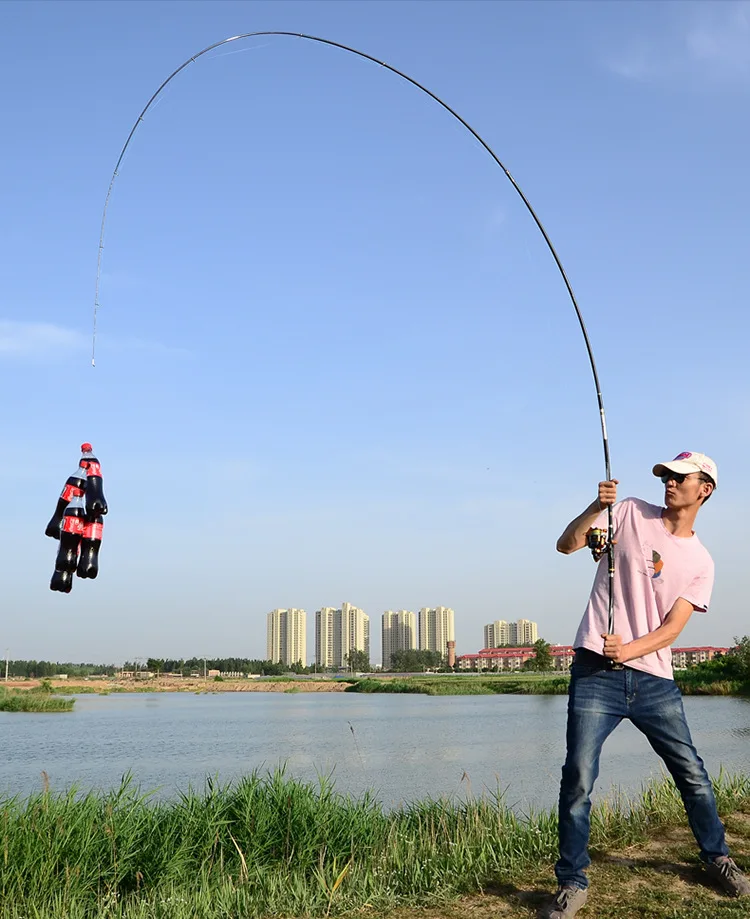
[{"x": 86, "y": 448}]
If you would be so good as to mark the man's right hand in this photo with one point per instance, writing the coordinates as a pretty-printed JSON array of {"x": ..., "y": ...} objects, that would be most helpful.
[
  {"x": 607, "y": 493},
  {"x": 574, "y": 535}
]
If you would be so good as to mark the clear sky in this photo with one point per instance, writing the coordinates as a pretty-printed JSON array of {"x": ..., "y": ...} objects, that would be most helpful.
[{"x": 335, "y": 360}]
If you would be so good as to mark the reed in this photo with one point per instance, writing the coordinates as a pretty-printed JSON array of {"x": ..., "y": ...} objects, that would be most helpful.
[
  {"x": 467, "y": 685},
  {"x": 32, "y": 701},
  {"x": 270, "y": 846}
]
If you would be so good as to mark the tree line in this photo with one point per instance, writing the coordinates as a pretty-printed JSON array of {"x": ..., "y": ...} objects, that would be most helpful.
[
  {"x": 734, "y": 666},
  {"x": 40, "y": 669}
]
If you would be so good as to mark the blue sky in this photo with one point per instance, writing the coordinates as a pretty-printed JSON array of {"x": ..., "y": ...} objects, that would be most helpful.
[{"x": 335, "y": 360}]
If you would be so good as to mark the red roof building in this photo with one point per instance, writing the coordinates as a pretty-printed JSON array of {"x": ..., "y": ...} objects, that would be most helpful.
[{"x": 505, "y": 659}]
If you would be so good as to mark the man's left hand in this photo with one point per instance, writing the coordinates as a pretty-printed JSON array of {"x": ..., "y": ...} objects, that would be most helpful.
[{"x": 614, "y": 649}]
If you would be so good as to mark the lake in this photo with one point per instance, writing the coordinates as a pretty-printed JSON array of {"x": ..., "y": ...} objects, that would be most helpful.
[{"x": 404, "y": 747}]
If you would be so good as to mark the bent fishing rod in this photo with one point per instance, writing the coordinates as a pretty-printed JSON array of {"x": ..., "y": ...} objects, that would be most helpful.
[{"x": 601, "y": 548}]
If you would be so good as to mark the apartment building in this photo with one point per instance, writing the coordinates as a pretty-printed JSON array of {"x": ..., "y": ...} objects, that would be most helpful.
[
  {"x": 503, "y": 659},
  {"x": 689, "y": 657},
  {"x": 399, "y": 634},
  {"x": 338, "y": 632},
  {"x": 500, "y": 634},
  {"x": 436, "y": 629},
  {"x": 286, "y": 636}
]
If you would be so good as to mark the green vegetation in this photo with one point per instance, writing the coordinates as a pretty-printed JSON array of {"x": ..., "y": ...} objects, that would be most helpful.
[
  {"x": 271, "y": 846},
  {"x": 357, "y": 661},
  {"x": 31, "y": 670},
  {"x": 726, "y": 675},
  {"x": 468, "y": 685},
  {"x": 33, "y": 700},
  {"x": 542, "y": 660},
  {"x": 187, "y": 665},
  {"x": 412, "y": 661}
]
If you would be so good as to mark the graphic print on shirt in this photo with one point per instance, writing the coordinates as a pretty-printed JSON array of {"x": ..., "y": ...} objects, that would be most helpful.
[{"x": 656, "y": 563}]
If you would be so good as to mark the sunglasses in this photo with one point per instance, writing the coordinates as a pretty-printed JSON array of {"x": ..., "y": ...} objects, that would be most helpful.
[{"x": 678, "y": 477}]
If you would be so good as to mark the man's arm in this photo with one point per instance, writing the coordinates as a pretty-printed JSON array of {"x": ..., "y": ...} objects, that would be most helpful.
[
  {"x": 574, "y": 535},
  {"x": 674, "y": 622}
]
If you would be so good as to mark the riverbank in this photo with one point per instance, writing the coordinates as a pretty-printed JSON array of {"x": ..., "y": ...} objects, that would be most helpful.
[
  {"x": 107, "y": 685},
  {"x": 270, "y": 846},
  {"x": 32, "y": 700},
  {"x": 506, "y": 684},
  {"x": 428, "y": 684}
]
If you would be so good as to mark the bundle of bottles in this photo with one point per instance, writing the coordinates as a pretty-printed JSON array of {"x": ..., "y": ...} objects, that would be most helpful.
[{"x": 78, "y": 523}]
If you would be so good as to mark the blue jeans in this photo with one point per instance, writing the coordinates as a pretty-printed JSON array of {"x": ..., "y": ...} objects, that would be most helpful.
[{"x": 599, "y": 699}]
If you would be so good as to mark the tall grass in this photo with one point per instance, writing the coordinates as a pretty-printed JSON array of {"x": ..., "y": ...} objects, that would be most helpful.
[
  {"x": 466, "y": 686},
  {"x": 690, "y": 687},
  {"x": 269, "y": 846},
  {"x": 32, "y": 701}
]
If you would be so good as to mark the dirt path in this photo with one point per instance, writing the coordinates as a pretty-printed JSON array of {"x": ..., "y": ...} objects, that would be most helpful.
[
  {"x": 184, "y": 685},
  {"x": 659, "y": 880}
]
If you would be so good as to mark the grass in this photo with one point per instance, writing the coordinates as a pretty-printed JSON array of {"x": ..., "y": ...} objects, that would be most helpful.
[
  {"x": 520, "y": 683},
  {"x": 32, "y": 700},
  {"x": 459, "y": 685},
  {"x": 714, "y": 688},
  {"x": 271, "y": 846}
]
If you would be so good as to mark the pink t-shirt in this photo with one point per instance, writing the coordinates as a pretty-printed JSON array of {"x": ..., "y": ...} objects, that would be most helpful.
[{"x": 653, "y": 568}]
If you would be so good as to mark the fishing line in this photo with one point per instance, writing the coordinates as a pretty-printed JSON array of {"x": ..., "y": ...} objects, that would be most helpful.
[{"x": 482, "y": 142}]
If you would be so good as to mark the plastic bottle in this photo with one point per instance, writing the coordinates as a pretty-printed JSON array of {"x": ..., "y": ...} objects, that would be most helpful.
[
  {"x": 71, "y": 532},
  {"x": 75, "y": 484},
  {"x": 62, "y": 581},
  {"x": 96, "y": 503},
  {"x": 88, "y": 565}
]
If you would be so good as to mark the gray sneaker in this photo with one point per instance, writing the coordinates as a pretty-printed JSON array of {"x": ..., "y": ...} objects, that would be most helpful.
[
  {"x": 724, "y": 871},
  {"x": 568, "y": 900}
]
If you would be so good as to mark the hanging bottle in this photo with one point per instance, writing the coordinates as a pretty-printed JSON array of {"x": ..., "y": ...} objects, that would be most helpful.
[
  {"x": 88, "y": 565},
  {"x": 96, "y": 503},
  {"x": 75, "y": 484},
  {"x": 71, "y": 532}
]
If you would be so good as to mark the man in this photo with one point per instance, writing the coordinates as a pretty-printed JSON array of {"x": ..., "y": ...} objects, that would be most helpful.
[{"x": 663, "y": 574}]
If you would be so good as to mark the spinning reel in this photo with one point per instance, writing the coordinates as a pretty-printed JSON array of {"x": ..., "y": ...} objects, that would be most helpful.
[{"x": 596, "y": 540}]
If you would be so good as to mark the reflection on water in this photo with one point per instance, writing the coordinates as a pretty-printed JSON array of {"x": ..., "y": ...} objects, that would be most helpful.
[{"x": 405, "y": 747}]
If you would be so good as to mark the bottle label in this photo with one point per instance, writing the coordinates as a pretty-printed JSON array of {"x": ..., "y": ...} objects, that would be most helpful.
[
  {"x": 93, "y": 530},
  {"x": 70, "y": 492},
  {"x": 94, "y": 469},
  {"x": 72, "y": 525}
]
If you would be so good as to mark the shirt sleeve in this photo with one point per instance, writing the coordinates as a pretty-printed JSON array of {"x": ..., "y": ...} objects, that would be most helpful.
[{"x": 698, "y": 591}]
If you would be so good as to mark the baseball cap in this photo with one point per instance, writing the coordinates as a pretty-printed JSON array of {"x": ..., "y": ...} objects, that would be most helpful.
[{"x": 687, "y": 463}]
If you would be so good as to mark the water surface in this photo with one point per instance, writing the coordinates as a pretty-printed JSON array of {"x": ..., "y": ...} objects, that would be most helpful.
[{"x": 404, "y": 747}]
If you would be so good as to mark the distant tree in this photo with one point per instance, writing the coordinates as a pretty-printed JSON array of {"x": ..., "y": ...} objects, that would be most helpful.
[
  {"x": 358, "y": 661},
  {"x": 741, "y": 655},
  {"x": 413, "y": 661},
  {"x": 542, "y": 660},
  {"x": 269, "y": 668}
]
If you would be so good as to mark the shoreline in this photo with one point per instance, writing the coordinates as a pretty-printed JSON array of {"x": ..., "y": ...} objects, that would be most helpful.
[{"x": 460, "y": 684}]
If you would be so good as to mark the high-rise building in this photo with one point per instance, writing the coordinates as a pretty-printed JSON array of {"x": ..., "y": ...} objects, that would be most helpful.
[
  {"x": 436, "y": 629},
  {"x": 526, "y": 632},
  {"x": 286, "y": 638},
  {"x": 499, "y": 634},
  {"x": 324, "y": 626},
  {"x": 338, "y": 632},
  {"x": 399, "y": 634}
]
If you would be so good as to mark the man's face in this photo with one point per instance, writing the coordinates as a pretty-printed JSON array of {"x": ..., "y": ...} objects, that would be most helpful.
[{"x": 682, "y": 490}]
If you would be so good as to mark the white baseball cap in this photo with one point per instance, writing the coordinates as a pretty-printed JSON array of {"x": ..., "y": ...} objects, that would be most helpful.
[{"x": 687, "y": 463}]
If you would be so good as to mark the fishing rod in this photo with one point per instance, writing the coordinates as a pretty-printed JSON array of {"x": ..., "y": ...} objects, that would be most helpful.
[{"x": 601, "y": 547}]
